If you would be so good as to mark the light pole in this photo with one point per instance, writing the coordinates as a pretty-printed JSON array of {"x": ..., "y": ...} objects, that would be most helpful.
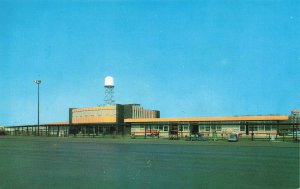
[
  {"x": 38, "y": 82},
  {"x": 295, "y": 113}
]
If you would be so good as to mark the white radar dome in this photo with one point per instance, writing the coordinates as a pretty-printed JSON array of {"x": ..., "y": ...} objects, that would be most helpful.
[{"x": 109, "y": 81}]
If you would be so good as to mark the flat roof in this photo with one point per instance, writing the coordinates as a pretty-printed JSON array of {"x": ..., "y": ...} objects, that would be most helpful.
[{"x": 202, "y": 119}]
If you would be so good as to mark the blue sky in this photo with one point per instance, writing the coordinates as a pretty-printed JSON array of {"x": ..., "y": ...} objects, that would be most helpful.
[{"x": 185, "y": 58}]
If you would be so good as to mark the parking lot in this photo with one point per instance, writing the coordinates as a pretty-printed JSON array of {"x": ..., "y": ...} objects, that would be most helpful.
[{"x": 51, "y": 162}]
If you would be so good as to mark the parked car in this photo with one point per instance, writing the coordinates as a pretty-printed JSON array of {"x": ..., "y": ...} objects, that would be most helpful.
[
  {"x": 233, "y": 137},
  {"x": 152, "y": 133},
  {"x": 196, "y": 137},
  {"x": 283, "y": 132},
  {"x": 201, "y": 137},
  {"x": 288, "y": 132}
]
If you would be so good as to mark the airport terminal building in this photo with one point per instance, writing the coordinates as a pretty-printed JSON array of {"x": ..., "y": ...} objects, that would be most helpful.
[{"x": 133, "y": 119}]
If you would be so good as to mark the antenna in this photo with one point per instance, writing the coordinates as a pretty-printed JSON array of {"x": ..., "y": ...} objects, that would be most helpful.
[{"x": 109, "y": 91}]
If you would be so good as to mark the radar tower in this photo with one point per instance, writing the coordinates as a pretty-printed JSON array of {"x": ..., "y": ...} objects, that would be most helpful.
[{"x": 109, "y": 91}]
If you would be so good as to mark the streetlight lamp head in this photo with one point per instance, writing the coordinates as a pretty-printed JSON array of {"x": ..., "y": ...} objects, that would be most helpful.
[
  {"x": 37, "y": 81},
  {"x": 295, "y": 112}
]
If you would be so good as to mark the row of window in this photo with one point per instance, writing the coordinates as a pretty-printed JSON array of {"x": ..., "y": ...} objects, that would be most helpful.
[
  {"x": 158, "y": 128},
  {"x": 258, "y": 128},
  {"x": 210, "y": 128},
  {"x": 143, "y": 113},
  {"x": 163, "y": 128},
  {"x": 94, "y": 113},
  {"x": 242, "y": 128}
]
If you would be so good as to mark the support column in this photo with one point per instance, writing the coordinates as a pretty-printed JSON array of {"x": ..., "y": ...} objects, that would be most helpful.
[
  {"x": 58, "y": 131},
  {"x": 93, "y": 131}
]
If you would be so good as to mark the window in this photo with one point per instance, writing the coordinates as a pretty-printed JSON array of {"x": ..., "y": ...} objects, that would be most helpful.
[
  {"x": 260, "y": 128},
  {"x": 186, "y": 128},
  {"x": 166, "y": 128},
  {"x": 207, "y": 128},
  {"x": 242, "y": 128},
  {"x": 268, "y": 128},
  {"x": 155, "y": 127},
  {"x": 201, "y": 128},
  {"x": 253, "y": 128},
  {"x": 161, "y": 128},
  {"x": 219, "y": 128}
]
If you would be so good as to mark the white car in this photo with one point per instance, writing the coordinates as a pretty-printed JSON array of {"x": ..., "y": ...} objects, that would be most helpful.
[{"x": 233, "y": 137}]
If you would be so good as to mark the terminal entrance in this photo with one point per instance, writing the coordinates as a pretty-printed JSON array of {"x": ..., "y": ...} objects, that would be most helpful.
[
  {"x": 194, "y": 129},
  {"x": 173, "y": 132}
]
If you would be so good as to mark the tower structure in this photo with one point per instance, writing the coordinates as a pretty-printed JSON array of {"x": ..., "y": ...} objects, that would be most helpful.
[{"x": 109, "y": 91}]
